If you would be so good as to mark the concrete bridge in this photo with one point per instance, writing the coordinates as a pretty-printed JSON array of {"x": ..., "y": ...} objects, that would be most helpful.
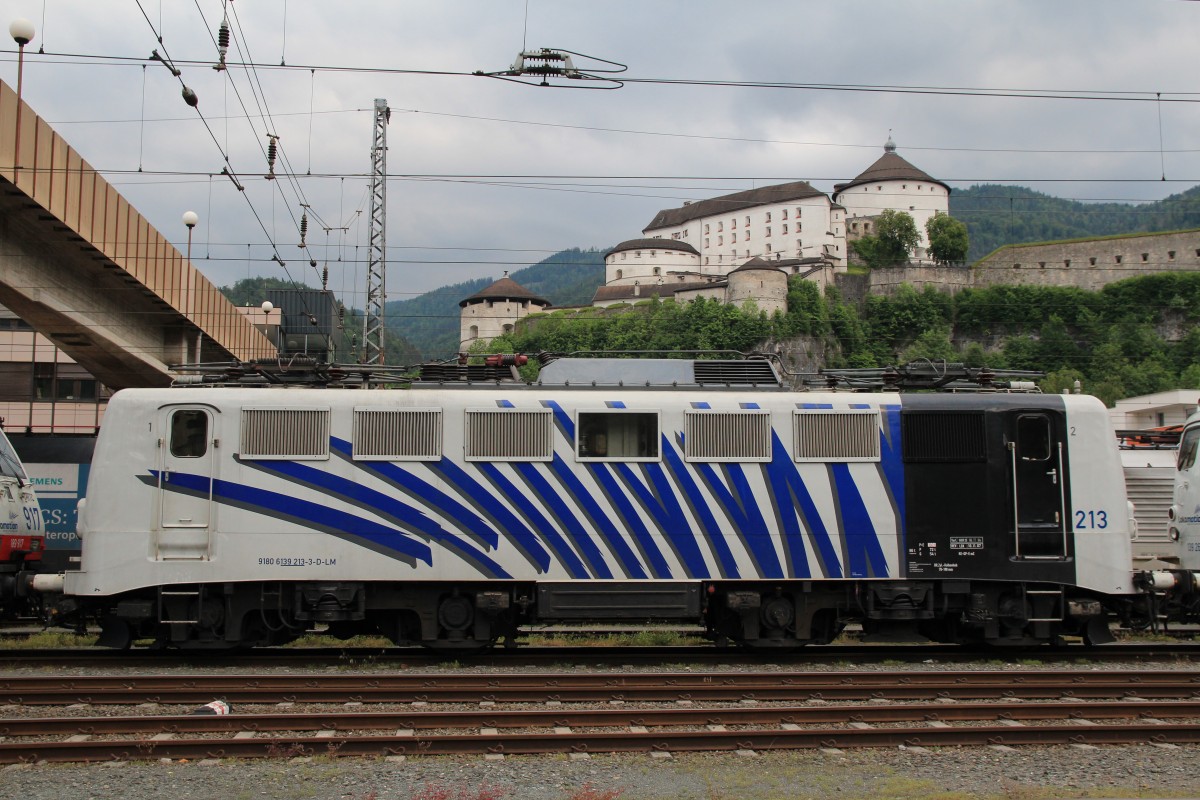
[{"x": 86, "y": 270}]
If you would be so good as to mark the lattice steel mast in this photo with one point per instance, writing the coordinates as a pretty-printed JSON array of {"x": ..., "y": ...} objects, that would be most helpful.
[{"x": 373, "y": 323}]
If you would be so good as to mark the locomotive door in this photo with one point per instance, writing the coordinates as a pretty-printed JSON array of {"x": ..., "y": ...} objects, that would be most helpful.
[
  {"x": 185, "y": 482},
  {"x": 1038, "y": 490}
]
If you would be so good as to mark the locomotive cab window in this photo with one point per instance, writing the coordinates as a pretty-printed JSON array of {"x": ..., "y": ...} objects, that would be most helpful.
[
  {"x": 10, "y": 465},
  {"x": 617, "y": 435},
  {"x": 189, "y": 433},
  {"x": 1187, "y": 448},
  {"x": 1033, "y": 438}
]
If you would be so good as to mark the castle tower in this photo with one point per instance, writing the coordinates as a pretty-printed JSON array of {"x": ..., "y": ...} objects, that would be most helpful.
[
  {"x": 759, "y": 281},
  {"x": 495, "y": 310},
  {"x": 891, "y": 183}
]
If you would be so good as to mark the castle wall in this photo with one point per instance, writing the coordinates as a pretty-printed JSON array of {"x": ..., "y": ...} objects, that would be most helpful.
[{"x": 1090, "y": 264}]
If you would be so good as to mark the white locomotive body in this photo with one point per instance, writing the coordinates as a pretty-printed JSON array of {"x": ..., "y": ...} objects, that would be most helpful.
[{"x": 452, "y": 514}]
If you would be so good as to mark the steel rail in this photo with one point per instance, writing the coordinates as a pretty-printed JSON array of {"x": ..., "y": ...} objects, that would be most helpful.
[
  {"x": 598, "y": 687},
  {"x": 552, "y": 655},
  {"x": 599, "y": 718},
  {"x": 596, "y": 742}
]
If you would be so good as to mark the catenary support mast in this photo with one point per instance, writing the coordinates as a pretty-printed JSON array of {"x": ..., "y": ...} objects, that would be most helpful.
[{"x": 373, "y": 322}]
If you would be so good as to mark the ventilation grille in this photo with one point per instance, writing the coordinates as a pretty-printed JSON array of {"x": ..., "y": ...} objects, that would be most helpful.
[
  {"x": 727, "y": 435},
  {"x": 836, "y": 435},
  {"x": 409, "y": 434},
  {"x": 740, "y": 373},
  {"x": 943, "y": 436},
  {"x": 509, "y": 435},
  {"x": 285, "y": 433}
]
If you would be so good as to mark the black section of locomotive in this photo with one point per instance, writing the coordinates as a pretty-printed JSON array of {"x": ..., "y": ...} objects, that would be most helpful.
[{"x": 987, "y": 489}]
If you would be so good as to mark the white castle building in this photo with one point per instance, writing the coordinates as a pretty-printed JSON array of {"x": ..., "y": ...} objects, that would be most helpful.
[{"x": 738, "y": 247}]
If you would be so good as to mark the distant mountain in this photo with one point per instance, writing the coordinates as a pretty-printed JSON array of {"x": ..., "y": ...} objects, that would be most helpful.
[
  {"x": 431, "y": 322},
  {"x": 997, "y": 215}
]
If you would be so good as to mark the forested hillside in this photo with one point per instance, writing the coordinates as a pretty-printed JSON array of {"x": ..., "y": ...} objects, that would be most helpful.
[
  {"x": 431, "y": 323},
  {"x": 998, "y": 215},
  {"x": 1133, "y": 337}
]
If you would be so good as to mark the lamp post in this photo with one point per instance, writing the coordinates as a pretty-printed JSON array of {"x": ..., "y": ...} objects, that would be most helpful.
[
  {"x": 190, "y": 218},
  {"x": 22, "y": 32}
]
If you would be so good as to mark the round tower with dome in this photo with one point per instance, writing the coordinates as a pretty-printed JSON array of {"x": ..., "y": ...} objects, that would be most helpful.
[
  {"x": 891, "y": 183},
  {"x": 495, "y": 310}
]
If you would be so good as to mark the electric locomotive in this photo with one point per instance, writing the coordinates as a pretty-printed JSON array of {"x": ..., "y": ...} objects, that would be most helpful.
[
  {"x": 22, "y": 535},
  {"x": 246, "y": 509},
  {"x": 1180, "y": 588}
]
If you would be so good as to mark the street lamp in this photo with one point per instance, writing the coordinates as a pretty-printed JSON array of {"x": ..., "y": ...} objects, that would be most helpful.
[
  {"x": 190, "y": 218},
  {"x": 22, "y": 32}
]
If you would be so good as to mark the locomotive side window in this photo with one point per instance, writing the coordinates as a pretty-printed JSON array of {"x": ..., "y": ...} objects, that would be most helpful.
[
  {"x": 189, "y": 433},
  {"x": 617, "y": 435},
  {"x": 10, "y": 464},
  {"x": 1033, "y": 438},
  {"x": 1187, "y": 448}
]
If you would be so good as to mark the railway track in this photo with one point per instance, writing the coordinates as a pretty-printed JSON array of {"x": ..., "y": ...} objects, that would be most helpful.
[
  {"x": 420, "y": 729},
  {"x": 615, "y": 655},
  {"x": 577, "y": 687}
]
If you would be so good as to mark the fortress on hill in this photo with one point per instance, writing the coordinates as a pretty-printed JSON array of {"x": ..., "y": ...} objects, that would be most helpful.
[{"x": 743, "y": 247}]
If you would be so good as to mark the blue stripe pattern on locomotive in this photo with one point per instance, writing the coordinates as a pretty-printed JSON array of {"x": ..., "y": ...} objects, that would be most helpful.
[{"x": 660, "y": 520}]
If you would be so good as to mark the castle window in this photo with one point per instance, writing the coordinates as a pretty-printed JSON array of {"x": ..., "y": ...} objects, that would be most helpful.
[
  {"x": 475, "y": 328},
  {"x": 733, "y": 238},
  {"x": 905, "y": 186},
  {"x": 1145, "y": 257},
  {"x": 785, "y": 230},
  {"x": 508, "y": 328},
  {"x": 706, "y": 260},
  {"x": 720, "y": 241},
  {"x": 879, "y": 188},
  {"x": 1067, "y": 262},
  {"x": 1092, "y": 260},
  {"x": 747, "y": 236},
  {"x": 1041, "y": 264},
  {"x": 768, "y": 216},
  {"x": 919, "y": 187},
  {"x": 785, "y": 213},
  {"x": 768, "y": 248},
  {"x": 706, "y": 228},
  {"x": 798, "y": 210},
  {"x": 1170, "y": 255},
  {"x": 706, "y": 243},
  {"x": 768, "y": 231},
  {"x": 747, "y": 222},
  {"x": 638, "y": 254},
  {"x": 720, "y": 227},
  {"x": 1119, "y": 259},
  {"x": 653, "y": 253},
  {"x": 658, "y": 271},
  {"x": 622, "y": 256},
  {"x": 620, "y": 274}
]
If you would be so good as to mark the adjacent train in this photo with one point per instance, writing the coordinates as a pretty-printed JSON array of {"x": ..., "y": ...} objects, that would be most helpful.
[
  {"x": 458, "y": 510},
  {"x": 22, "y": 535}
]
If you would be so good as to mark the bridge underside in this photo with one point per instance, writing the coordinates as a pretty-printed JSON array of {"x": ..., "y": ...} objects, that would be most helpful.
[{"x": 69, "y": 291}]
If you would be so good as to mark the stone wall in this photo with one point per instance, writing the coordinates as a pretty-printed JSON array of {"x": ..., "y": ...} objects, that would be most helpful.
[{"x": 1093, "y": 263}]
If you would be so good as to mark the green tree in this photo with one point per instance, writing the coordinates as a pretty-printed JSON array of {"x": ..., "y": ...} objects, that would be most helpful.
[
  {"x": 948, "y": 240},
  {"x": 895, "y": 238}
]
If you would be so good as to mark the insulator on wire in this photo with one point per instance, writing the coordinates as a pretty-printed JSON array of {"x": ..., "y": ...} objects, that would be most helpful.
[
  {"x": 272, "y": 151},
  {"x": 303, "y": 228},
  {"x": 222, "y": 44},
  {"x": 324, "y": 278}
]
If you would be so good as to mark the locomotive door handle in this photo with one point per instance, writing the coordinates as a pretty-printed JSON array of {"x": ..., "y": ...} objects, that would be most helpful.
[{"x": 1053, "y": 476}]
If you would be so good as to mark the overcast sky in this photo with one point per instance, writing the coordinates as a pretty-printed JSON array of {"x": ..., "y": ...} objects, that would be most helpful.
[{"x": 487, "y": 175}]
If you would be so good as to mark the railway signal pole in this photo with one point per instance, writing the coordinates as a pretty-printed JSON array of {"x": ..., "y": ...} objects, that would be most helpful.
[{"x": 373, "y": 321}]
